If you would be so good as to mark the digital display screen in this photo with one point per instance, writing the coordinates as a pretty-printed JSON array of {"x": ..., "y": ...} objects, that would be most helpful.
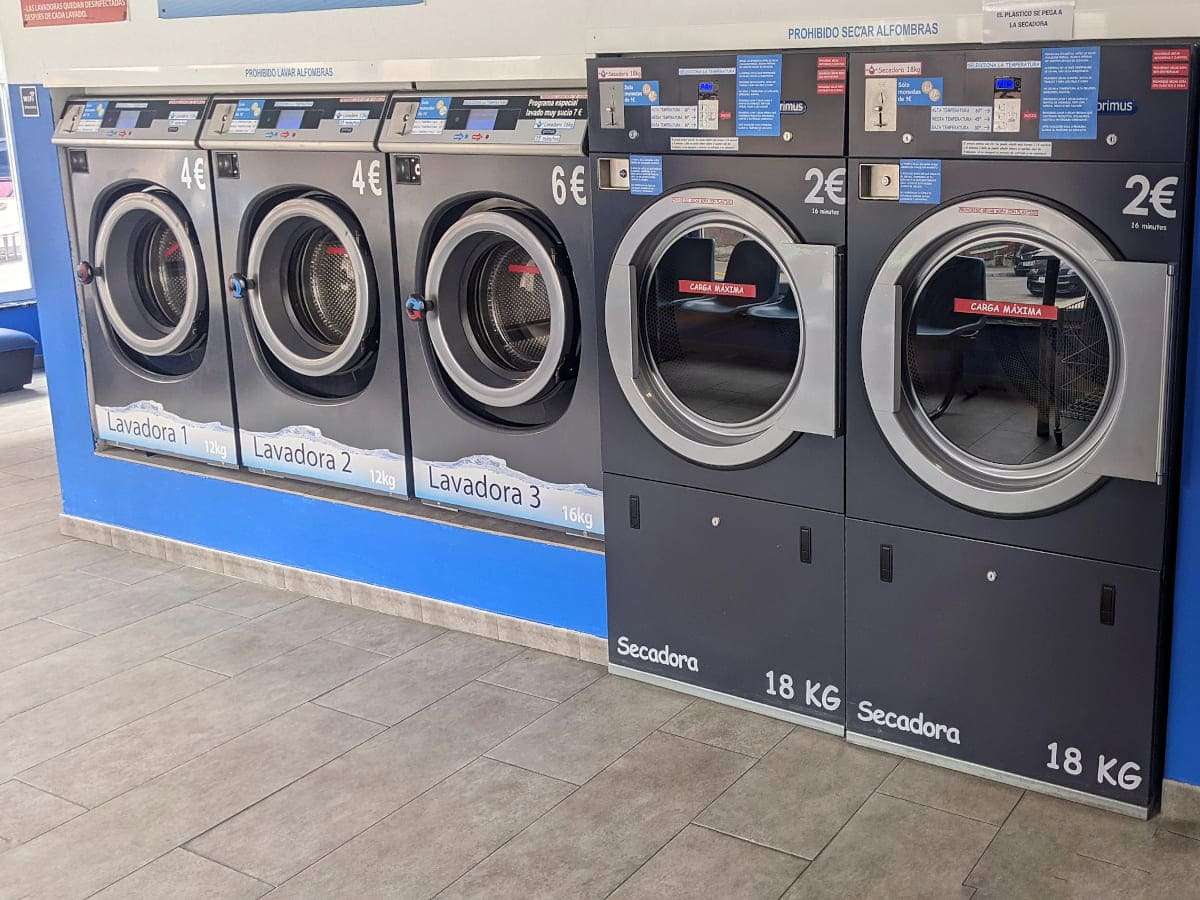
[
  {"x": 482, "y": 120},
  {"x": 1007, "y": 84},
  {"x": 128, "y": 118},
  {"x": 290, "y": 119}
]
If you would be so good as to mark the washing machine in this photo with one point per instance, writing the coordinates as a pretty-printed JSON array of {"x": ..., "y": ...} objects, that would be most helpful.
[
  {"x": 719, "y": 216},
  {"x": 493, "y": 236},
  {"x": 1017, "y": 288},
  {"x": 145, "y": 245},
  {"x": 305, "y": 234}
]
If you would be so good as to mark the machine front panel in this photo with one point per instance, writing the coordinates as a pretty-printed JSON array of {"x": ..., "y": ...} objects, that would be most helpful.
[
  {"x": 488, "y": 123},
  {"x": 349, "y": 122},
  {"x": 131, "y": 122}
]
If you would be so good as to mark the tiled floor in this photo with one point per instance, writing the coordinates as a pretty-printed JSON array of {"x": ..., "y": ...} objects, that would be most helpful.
[{"x": 168, "y": 732}]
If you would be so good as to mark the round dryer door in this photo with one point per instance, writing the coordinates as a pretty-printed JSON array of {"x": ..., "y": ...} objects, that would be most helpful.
[
  {"x": 722, "y": 328},
  {"x": 1012, "y": 362},
  {"x": 310, "y": 289},
  {"x": 150, "y": 281},
  {"x": 501, "y": 319}
]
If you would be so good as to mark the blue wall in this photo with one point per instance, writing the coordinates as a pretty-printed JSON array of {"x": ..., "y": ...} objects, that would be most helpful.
[{"x": 526, "y": 579}]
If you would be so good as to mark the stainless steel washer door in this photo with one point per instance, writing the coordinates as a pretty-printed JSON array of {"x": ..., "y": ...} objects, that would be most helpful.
[
  {"x": 722, "y": 328},
  {"x": 501, "y": 313},
  {"x": 149, "y": 280},
  {"x": 311, "y": 294},
  {"x": 1012, "y": 362}
]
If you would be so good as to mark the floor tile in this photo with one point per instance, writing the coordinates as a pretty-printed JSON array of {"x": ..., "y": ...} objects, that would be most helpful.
[
  {"x": 35, "y": 512},
  {"x": 28, "y": 491},
  {"x": 31, "y": 539},
  {"x": 952, "y": 792},
  {"x": 234, "y": 651},
  {"x": 545, "y": 675},
  {"x": 57, "y": 592},
  {"x": 307, "y": 619},
  {"x": 34, "y": 639},
  {"x": 248, "y": 599},
  {"x": 41, "y": 467},
  {"x": 892, "y": 846},
  {"x": 701, "y": 863},
  {"x": 595, "y": 839},
  {"x": 1049, "y": 844},
  {"x": 26, "y": 812},
  {"x": 153, "y": 595},
  {"x": 1181, "y": 809},
  {"x": 408, "y": 683},
  {"x": 181, "y": 875},
  {"x": 389, "y": 635},
  {"x": 445, "y": 832},
  {"x": 728, "y": 728},
  {"x": 44, "y": 732},
  {"x": 280, "y": 836},
  {"x": 592, "y": 729},
  {"x": 799, "y": 795},
  {"x": 75, "y": 667},
  {"x": 106, "y": 844},
  {"x": 33, "y": 568},
  {"x": 132, "y": 568},
  {"x": 142, "y": 750}
]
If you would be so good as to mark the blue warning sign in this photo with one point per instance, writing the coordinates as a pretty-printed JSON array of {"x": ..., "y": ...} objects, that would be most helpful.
[
  {"x": 645, "y": 175},
  {"x": 759, "y": 86},
  {"x": 921, "y": 181},
  {"x": 1070, "y": 93}
]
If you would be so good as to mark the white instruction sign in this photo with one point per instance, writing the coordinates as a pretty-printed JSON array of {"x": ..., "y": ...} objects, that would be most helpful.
[
  {"x": 960, "y": 118},
  {"x": 673, "y": 117},
  {"x": 1028, "y": 20},
  {"x": 1034, "y": 149}
]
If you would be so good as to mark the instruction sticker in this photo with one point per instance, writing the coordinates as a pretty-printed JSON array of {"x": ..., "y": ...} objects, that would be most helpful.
[
  {"x": 919, "y": 92},
  {"x": 433, "y": 108},
  {"x": 91, "y": 117},
  {"x": 704, "y": 143},
  {"x": 673, "y": 117},
  {"x": 1032, "y": 149},
  {"x": 921, "y": 181},
  {"x": 1070, "y": 93},
  {"x": 891, "y": 70},
  {"x": 759, "y": 88},
  {"x": 645, "y": 175},
  {"x": 960, "y": 118},
  {"x": 641, "y": 93},
  {"x": 618, "y": 73},
  {"x": 246, "y": 116}
]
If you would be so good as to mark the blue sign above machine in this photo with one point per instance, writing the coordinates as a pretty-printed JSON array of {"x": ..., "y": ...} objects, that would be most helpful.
[{"x": 183, "y": 9}]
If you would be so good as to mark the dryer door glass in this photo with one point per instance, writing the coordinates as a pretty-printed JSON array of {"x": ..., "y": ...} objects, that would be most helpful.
[
  {"x": 312, "y": 296},
  {"x": 1007, "y": 352},
  {"x": 1012, "y": 362},
  {"x": 502, "y": 317},
  {"x": 149, "y": 278},
  {"x": 721, "y": 325}
]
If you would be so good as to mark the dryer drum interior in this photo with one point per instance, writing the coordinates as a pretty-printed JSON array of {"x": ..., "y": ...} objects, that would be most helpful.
[
  {"x": 502, "y": 320},
  {"x": 1012, "y": 366},
  {"x": 311, "y": 297},
  {"x": 150, "y": 281}
]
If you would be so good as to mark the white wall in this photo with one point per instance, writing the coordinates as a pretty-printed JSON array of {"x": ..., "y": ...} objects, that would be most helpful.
[{"x": 482, "y": 40}]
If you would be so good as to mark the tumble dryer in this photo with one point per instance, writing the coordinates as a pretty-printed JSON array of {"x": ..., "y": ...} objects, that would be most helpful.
[
  {"x": 150, "y": 293},
  {"x": 720, "y": 222},
  {"x": 493, "y": 237},
  {"x": 303, "y": 207},
  {"x": 1019, "y": 222}
]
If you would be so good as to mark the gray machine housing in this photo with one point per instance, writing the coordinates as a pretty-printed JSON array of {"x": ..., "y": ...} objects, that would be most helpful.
[
  {"x": 724, "y": 563},
  {"x": 157, "y": 153},
  {"x": 327, "y": 158},
  {"x": 524, "y": 171},
  {"x": 1041, "y": 633}
]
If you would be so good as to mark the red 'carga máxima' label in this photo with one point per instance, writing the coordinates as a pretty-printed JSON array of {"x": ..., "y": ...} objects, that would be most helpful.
[
  {"x": 1009, "y": 309},
  {"x": 718, "y": 288},
  {"x": 527, "y": 269}
]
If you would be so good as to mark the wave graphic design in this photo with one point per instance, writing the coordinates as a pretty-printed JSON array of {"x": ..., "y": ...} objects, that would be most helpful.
[
  {"x": 147, "y": 425},
  {"x": 306, "y": 452}
]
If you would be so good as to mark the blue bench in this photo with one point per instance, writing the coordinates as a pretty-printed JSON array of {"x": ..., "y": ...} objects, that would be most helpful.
[{"x": 16, "y": 359}]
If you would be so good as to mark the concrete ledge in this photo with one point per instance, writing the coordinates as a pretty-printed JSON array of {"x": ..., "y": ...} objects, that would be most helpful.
[{"x": 341, "y": 590}]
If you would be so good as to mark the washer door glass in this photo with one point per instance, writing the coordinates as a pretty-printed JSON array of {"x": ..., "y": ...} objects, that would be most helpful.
[
  {"x": 1007, "y": 352},
  {"x": 502, "y": 316},
  {"x": 312, "y": 291},
  {"x": 721, "y": 325},
  {"x": 150, "y": 279}
]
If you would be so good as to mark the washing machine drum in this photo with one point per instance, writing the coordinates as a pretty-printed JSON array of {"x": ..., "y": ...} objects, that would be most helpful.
[
  {"x": 502, "y": 318},
  {"x": 150, "y": 280},
  {"x": 312, "y": 295}
]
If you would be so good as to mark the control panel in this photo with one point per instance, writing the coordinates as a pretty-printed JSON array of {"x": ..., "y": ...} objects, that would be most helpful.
[
  {"x": 1073, "y": 102},
  {"x": 553, "y": 123},
  {"x": 158, "y": 121},
  {"x": 789, "y": 103},
  {"x": 321, "y": 122}
]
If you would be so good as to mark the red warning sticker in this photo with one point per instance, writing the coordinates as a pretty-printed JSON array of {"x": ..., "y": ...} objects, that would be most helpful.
[
  {"x": 1172, "y": 54},
  {"x": 831, "y": 75},
  {"x": 528, "y": 269},
  {"x": 1009, "y": 309},
  {"x": 1169, "y": 84},
  {"x": 832, "y": 62},
  {"x": 1170, "y": 70},
  {"x": 718, "y": 288},
  {"x": 831, "y": 87}
]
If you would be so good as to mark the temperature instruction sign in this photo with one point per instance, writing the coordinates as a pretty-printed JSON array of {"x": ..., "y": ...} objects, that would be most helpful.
[
  {"x": 181, "y": 9},
  {"x": 36, "y": 13}
]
